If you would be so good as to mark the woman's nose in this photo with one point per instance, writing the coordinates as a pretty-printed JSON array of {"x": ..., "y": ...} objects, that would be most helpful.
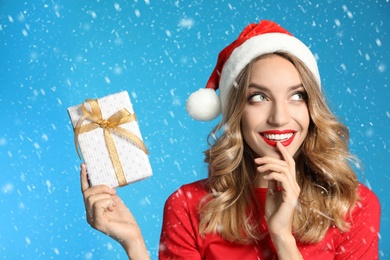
[{"x": 279, "y": 114}]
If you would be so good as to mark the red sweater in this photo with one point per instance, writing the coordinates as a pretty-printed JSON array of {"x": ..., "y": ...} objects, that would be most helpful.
[{"x": 180, "y": 235}]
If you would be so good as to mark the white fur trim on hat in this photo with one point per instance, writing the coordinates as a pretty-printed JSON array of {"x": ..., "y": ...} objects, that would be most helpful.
[
  {"x": 204, "y": 104},
  {"x": 259, "y": 45}
]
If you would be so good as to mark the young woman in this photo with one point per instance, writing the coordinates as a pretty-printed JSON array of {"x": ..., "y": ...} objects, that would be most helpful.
[{"x": 280, "y": 184}]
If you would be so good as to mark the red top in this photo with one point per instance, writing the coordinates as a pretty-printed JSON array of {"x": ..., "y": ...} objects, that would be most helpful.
[{"x": 180, "y": 237}]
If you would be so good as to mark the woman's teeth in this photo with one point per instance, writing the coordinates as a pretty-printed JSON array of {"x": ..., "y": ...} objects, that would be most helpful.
[{"x": 278, "y": 137}]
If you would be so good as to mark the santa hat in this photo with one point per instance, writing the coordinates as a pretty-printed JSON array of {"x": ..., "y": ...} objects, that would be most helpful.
[{"x": 255, "y": 40}]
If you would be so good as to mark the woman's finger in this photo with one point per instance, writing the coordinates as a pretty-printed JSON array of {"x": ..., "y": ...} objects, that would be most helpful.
[
  {"x": 91, "y": 200},
  {"x": 270, "y": 160},
  {"x": 97, "y": 215},
  {"x": 88, "y": 190},
  {"x": 98, "y": 189},
  {"x": 279, "y": 181},
  {"x": 290, "y": 162},
  {"x": 103, "y": 205},
  {"x": 286, "y": 155},
  {"x": 272, "y": 167},
  {"x": 83, "y": 178}
]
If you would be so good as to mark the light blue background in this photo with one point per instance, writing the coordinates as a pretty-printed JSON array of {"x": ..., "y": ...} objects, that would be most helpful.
[{"x": 56, "y": 53}]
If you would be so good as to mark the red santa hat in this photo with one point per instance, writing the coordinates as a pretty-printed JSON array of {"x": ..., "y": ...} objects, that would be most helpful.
[{"x": 254, "y": 40}]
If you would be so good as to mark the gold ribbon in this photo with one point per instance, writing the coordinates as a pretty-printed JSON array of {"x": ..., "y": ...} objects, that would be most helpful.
[{"x": 111, "y": 125}]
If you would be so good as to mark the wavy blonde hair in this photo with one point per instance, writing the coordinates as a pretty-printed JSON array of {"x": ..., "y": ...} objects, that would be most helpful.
[{"x": 327, "y": 181}]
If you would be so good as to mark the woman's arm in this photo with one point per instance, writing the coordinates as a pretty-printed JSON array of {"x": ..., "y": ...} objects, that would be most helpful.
[
  {"x": 281, "y": 202},
  {"x": 107, "y": 213}
]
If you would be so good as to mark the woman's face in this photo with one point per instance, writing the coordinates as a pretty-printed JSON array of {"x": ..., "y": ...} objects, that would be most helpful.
[{"x": 275, "y": 109}]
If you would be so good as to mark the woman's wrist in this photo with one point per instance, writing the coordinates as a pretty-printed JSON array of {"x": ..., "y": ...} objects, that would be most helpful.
[
  {"x": 286, "y": 246},
  {"x": 135, "y": 247},
  {"x": 137, "y": 252}
]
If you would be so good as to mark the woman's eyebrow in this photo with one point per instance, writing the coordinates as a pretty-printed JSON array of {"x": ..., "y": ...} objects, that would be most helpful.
[
  {"x": 263, "y": 88},
  {"x": 292, "y": 88},
  {"x": 258, "y": 87}
]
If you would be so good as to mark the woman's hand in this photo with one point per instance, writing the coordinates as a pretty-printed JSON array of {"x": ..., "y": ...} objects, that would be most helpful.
[
  {"x": 107, "y": 213},
  {"x": 282, "y": 200}
]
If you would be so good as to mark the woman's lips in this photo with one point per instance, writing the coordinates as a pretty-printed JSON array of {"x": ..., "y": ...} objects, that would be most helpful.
[{"x": 284, "y": 137}]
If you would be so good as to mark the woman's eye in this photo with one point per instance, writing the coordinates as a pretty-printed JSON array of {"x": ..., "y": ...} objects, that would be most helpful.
[
  {"x": 257, "y": 98},
  {"x": 298, "y": 96}
]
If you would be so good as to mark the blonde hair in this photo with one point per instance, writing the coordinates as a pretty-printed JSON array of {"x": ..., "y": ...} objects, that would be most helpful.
[{"x": 328, "y": 183}]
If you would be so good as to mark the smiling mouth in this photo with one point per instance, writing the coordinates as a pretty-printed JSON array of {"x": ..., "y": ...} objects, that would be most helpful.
[
  {"x": 278, "y": 137},
  {"x": 284, "y": 138}
]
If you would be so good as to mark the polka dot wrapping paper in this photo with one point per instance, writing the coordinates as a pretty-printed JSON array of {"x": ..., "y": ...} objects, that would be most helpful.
[{"x": 98, "y": 116}]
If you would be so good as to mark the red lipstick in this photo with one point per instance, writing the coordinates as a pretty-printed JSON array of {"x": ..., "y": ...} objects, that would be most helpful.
[{"x": 285, "y": 137}]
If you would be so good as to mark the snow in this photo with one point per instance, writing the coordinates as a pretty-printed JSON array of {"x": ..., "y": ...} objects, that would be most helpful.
[{"x": 55, "y": 54}]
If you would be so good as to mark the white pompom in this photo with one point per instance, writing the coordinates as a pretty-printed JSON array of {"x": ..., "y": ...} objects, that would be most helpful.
[{"x": 204, "y": 105}]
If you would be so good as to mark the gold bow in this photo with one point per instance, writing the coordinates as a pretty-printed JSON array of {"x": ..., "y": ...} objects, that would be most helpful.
[{"x": 111, "y": 125}]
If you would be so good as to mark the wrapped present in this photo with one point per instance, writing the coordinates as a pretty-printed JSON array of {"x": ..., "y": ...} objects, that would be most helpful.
[{"x": 108, "y": 138}]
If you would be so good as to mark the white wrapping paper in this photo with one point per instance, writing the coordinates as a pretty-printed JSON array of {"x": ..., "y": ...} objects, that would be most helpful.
[{"x": 134, "y": 161}]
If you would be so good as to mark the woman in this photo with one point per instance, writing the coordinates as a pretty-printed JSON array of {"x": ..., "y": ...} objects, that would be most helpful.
[{"x": 280, "y": 185}]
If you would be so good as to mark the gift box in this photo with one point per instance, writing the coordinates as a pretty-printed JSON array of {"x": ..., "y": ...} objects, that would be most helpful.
[{"x": 108, "y": 138}]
